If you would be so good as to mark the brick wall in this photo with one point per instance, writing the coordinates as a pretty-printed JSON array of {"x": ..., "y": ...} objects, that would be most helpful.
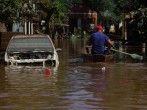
[{"x": 5, "y": 38}]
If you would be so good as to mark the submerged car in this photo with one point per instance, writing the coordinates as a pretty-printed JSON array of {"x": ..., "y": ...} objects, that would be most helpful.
[{"x": 33, "y": 48}]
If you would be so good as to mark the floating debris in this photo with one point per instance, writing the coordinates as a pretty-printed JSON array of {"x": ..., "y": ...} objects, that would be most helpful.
[
  {"x": 47, "y": 72},
  {"x": 103, "y": 68},
  {"x": 75, "y": 60}
]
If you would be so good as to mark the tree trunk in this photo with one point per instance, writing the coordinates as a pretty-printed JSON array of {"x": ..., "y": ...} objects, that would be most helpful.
[
  {"x": 48, "y": 17},
  {"x": 47, "y": 20}
]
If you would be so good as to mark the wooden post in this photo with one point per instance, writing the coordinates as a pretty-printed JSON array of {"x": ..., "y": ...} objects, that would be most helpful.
[
  {"x": 29, "y": 27},
  {"x": 124, "y": 28}
]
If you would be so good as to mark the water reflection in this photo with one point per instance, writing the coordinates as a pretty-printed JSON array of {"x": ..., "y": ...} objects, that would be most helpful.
[
  {"x": 133, "y": 53},
  {"x": 26, "y": 85},
  {"x": 3, "y": 79},
  {"x": 74, "y": 84}
]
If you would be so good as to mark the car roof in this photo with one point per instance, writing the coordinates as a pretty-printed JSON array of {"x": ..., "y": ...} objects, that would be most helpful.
[{"x": 31, "y": 36}]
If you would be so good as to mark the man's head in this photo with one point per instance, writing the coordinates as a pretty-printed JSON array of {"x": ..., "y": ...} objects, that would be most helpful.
[{"x": 99, "y": 28}]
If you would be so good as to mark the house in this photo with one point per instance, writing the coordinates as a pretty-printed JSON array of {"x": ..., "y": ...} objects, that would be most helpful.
[{"x": 81, "y": 17}]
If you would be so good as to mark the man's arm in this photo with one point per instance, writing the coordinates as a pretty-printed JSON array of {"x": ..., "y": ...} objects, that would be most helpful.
[{"x": 110, "y": 43}]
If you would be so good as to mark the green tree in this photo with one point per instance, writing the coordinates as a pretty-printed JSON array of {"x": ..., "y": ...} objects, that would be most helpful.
[
  {"x": 15, "y": 11},
  {"x": 115, "y": 7},
  {"x": 9, "y": 9},
  {"x": 137, "y": 22},
  {"x": 102, "y": 6},
  {"x": 125, "y": 6},
  {"x": 53, "y": 12}
]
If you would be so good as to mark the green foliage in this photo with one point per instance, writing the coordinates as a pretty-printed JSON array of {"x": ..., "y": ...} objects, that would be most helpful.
[
  {"x": 76, "y": 1},
  {"x": 8, "y": 9},
  {"x": 115, "y": 7},
  {"x": 103, "y": 6},
  {"x": 99, "y": 5},
  {"x": 138, "y": 21},
  {"x": 60, "y": 8},
  {"x": 15, "y": 10},
  {"x": 53, "y": 12},
  {"x": 125, "y": 6}
]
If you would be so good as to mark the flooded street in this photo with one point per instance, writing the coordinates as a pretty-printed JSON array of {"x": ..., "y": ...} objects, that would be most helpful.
[{"x": 120, "y": 84}]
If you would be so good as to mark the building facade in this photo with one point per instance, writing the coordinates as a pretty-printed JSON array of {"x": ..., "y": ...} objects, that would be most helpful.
[{"x": 81, "y": 17}]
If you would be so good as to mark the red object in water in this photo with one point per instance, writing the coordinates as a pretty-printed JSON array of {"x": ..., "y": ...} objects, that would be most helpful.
[{"x": 47, "y": 72}]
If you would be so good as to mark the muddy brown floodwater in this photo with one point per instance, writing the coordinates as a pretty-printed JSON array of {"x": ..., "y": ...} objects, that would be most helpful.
[{"x": 76, "y": 85}]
